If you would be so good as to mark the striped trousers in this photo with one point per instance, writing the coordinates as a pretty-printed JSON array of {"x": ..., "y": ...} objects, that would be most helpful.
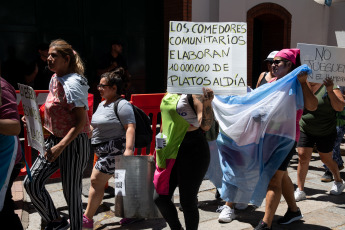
[{"x": 72, "y": 162}]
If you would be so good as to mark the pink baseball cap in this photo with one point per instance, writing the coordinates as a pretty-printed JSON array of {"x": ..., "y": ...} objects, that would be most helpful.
[{"x": 289, "y": 54}]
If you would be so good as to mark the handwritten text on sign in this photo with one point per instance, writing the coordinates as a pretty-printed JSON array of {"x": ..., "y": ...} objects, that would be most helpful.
[
  {"x": 210, "y": 55},
  {"x": 324, "y": 61},
  {"x": 32, "y": 117},
  {"x": 120, "y": 186}
]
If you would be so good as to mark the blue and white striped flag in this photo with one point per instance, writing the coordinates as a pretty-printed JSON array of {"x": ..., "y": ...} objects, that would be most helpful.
[{"x": 257, "y": 132}]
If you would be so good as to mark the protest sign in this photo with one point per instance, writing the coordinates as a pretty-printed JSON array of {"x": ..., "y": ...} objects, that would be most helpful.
[
  {"x": 210, "y": 55},
  {"x": 340, "y": 36},
  {"x": 324, "y": 61},
  {"x": 120, "y": 186},
  {"x": 32, "y": 117}
]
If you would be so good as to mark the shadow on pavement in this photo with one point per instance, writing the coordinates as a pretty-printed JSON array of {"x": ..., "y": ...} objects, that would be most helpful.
[{"x": 155, "y": 224}]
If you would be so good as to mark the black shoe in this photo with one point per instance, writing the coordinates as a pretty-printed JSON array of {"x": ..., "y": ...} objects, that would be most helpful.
[
  {"x": 61, "y": 225},
  {"x": 327, "y": 177},
  {"x": 290, "y": 217},
  {"x": 262, "y": 226}
]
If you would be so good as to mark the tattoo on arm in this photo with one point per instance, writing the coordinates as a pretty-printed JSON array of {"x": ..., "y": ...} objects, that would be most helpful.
[
  {"x": 207, "y": 116},
  {"x": 208, "y": 111},
  {"x": 206, "y": 122}
]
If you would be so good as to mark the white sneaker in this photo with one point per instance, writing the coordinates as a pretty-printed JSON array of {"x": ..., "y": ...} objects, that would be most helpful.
[
  {"x": 337, "y": 188},
  {"x": 241, "y": 206},
  {"x": 226, "y": 214},
  {"x": 300, "y": 195}
]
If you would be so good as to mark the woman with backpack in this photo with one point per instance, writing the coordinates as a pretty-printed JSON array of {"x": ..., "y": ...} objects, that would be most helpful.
[
  {"x": 184, "y": 160},
  {"x": 113, "y": 133}
]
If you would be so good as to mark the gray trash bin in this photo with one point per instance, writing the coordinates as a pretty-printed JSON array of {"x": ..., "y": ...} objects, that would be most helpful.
[{"x": 139, "y": 189}]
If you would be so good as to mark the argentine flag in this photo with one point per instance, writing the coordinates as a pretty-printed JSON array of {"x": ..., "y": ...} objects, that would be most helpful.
[{"x": 257, "y": 131}]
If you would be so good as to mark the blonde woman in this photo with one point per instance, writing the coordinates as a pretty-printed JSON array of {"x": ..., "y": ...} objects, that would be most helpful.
[{"x": 68, "y": 147}]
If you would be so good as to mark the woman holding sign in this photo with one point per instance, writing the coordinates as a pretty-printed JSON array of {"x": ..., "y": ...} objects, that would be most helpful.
[
  {"x": 319, "y": 127},
  {"x": 67, "y": 147},
  {"x": 184, "y": 160}
]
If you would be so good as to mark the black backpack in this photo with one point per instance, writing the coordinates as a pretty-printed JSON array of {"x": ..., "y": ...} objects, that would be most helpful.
[{"x": 143, "y": 131}]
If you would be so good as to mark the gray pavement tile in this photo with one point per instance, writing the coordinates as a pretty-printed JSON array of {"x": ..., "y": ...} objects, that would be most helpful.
[
  {"x": 321, "y": 211},
  {"x": 325, "y": 219}
]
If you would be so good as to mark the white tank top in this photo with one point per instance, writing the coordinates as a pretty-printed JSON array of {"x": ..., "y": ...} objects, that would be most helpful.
[{"x": 184, "y": 109}]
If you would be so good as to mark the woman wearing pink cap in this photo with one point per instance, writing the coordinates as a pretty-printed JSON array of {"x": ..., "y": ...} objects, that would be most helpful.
[{"x": 283, "y": 63}]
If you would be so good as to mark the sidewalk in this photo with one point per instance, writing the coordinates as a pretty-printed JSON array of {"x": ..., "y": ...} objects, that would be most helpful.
[{"x": 321, "y": 211}]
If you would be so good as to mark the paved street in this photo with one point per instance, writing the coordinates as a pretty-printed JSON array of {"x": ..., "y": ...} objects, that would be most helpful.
[{"x": 321, "y": 211}]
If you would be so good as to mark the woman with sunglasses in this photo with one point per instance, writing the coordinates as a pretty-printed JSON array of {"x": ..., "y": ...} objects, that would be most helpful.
[
  {"x": 283, "y": 63},
  {"x": 67, "y": 147},
  {"x": 267, "y": 76},
  {"x": 112, "y": 135}
]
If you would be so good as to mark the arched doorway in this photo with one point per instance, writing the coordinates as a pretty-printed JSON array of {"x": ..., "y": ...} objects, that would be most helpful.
[{"x": 269, "y": 28}]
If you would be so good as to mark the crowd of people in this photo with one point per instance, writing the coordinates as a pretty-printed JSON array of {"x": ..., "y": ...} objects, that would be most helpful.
[{"x": 185, "y": 119}]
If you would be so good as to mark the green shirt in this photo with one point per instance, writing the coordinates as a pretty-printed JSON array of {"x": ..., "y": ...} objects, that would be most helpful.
[
  {"x": 322, "y": 121},
  {"x": 174, "y": 127}
]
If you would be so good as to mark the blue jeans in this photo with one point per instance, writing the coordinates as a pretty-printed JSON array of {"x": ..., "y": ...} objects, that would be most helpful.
[{"x": 336, "y": 149}]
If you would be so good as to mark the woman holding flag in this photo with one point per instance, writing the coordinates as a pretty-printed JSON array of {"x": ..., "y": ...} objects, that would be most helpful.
[
  {"x": 273, "y": 179},
  {"x": 284, "y": 62}
]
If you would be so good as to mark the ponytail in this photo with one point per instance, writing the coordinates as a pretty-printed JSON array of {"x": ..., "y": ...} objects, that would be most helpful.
[{"x": 78, "y": 66}]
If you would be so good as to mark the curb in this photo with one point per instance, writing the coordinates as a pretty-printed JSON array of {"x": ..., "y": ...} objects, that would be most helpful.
[{"x": 18, "y": 195}]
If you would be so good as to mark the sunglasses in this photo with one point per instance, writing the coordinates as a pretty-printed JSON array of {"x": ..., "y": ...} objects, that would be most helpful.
[
  {"x": 276, "y": 62},
  {"x": 102, "y": 86}
]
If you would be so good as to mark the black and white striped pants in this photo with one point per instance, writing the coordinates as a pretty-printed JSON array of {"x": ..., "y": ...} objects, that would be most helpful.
[{"x": 72, "y": 163}]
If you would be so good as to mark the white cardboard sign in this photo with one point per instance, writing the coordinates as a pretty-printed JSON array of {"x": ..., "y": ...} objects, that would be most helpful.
[
  {"x": 324, "y": 61},
  {"x": 340, "y": 36},
  {"x": 32, "y": 117},
  {"x": 120, "y": 186},
  {"x": 212, "y": 55}
]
